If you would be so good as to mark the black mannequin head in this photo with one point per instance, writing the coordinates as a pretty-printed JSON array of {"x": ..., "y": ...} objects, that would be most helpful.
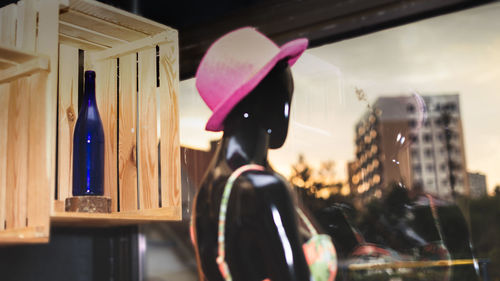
[{"x": 267, "y": 107}]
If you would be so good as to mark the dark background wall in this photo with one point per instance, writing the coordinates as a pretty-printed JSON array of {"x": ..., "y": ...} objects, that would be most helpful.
[{"x": 79, "y": 254}]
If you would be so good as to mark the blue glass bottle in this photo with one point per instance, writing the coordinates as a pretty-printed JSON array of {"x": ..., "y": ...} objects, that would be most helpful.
[{"x": 88, "y": 145}]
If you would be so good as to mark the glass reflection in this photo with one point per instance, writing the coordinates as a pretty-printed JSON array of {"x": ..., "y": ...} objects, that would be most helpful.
[{"x": 393, "y": 145}]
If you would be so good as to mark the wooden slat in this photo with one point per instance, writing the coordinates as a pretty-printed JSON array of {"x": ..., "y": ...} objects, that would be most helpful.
[
  {"x": 106, "y": 94},
  {"x": 169, "y": 139},
  {"x": 101, "y": 26},
  {"x": 116, "y": 218},
  {"x": 85, "y": 34},
  {"x": 27, "y": 235},
  {"x": 4, "y": 110},
  {"x": 6, "y": 63},
  {"x": 117, "y": 16},
  {"x": 10, "y": 53},
  {"x": 24, "y": 69},
  {"x": 8, "y": 15},
  {"x": 80, "y": 44},
  {"x": 42, "y": 122},
  {"x": 26, "y": 26},
  {"x": 19, "y": 23},
  {"x": 41, "y": 180},
  {"x": 68, "y": 114},
  {"x": 136, "y": 46},
  {"x": 148, "y": 139},
  {"x": 17, "y": 154},
  {"x": 127, "y": 133}
]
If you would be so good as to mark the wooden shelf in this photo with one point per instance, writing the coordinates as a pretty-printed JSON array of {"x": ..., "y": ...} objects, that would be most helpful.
[
  {"x": 40, "y": 47},
  {"x": 90, "y": 25},
  {"x": 27, "y": 235},
  {"x": 14, "y": 56},
  {"x": 15, "y": 63},
  {"x": 116, "y": 218}
]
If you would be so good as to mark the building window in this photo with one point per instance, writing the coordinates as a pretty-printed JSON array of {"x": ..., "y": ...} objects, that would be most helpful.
[
  {"x": 410, "y": 108},
  {"x": 412, "y": 123},
  {"x": 450, "y": 106},
  {"x": 443, "y": 167},
  {"x": 428, "y": 152},
  {"x": 413, "y": 138},
  {"x": 417, "y": 168},
  {"x": 414, "y": 153},
  {"x": 427, "y": 137},
  {"x": 429, "y": 167}
]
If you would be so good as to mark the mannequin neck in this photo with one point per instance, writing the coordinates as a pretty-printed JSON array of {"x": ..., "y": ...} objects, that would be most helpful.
[{"x": 245, "y": 144}]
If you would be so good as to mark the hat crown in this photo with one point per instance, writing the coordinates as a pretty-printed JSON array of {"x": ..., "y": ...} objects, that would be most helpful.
[
  {"x": 234, "y": 65},
  {"x": 230, "y": 62}
]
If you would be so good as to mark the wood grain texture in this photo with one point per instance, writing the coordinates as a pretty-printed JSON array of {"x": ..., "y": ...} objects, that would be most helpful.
[
  {"x": 79, "y": 43},
  {"x": 6, "y": 63},
  {"x": 135, "y": 46},
  {"x": 27, "y": 235},
  {"x": 170, "y": 146},
  {"x": 42, "y": 122},
  {"x": 101, "y": 26},
  {"x": 19, "y": 23},
  {"x": 26, "y": 25},
  {"x": 85, "y": 34},
  {"x": 68, "y": 114},
  {"x": 4, "y": 110},
  {"x": 29, "y": 27},
  {"x": 41, "y": 180},
  {"x": 117, "y": 16},
  {"x": 148, "y": 138},
  {"x": 127, "y": 134},
  {"x": 106, "y": 94},
  {"x": 17, "y": 154},
  {"x": 116, "y": 218},
  {"x": 24, "y": 69},
  {"x": 15, "y": 55},
  {"x": 8, "y": 16}
]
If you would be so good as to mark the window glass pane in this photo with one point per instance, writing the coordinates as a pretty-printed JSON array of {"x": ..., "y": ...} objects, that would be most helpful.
[{"x": 398, "y": 133}]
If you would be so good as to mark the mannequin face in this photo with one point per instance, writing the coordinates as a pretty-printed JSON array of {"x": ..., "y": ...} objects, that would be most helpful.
[
  {"x": 275, "y": 105},
  {"x": 268, "y": 105},
  {"x": 279, "y": 108}
]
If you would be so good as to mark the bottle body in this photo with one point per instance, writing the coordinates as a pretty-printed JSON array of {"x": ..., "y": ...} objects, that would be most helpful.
[{"x": 88, "y": 145}]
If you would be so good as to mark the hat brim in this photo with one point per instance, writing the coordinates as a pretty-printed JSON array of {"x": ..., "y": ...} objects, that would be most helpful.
[{"x": 292, "y": 50}]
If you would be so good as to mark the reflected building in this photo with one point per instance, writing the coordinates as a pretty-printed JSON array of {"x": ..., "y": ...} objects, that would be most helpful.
[
  {"x": 416, "y": 141},
  {"x": 477, "y": 183}
]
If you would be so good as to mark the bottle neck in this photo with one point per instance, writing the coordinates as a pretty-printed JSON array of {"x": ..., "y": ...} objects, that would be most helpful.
[{"x": 89, "y": 94}]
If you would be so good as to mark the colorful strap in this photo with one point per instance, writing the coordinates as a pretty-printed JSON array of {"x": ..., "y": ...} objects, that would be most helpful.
[
  {"x": 435, "y": 215},
  {"x": 307, "y": 222},
  {"x": 223, "y": 267}
]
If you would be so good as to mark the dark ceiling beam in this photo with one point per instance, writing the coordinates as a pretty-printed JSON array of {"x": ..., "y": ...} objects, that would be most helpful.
[{"x": 321, "y": 21}]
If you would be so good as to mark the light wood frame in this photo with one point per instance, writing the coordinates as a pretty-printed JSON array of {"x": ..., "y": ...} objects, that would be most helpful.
[{"x": 137, "y": 70}]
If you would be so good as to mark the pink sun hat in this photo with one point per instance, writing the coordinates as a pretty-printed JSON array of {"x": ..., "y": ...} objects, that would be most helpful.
[{"x": 234, "y": 65}]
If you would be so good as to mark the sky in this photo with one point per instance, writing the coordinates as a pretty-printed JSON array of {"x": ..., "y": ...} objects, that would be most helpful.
[{"x": 454, "y": 53}]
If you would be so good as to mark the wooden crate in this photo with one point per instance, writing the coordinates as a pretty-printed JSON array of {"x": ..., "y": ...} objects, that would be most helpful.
[{"x": 42, "y": 45}]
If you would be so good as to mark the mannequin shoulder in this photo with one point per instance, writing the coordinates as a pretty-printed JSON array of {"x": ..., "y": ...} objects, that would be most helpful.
[{"x": 263, "y": 182}]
